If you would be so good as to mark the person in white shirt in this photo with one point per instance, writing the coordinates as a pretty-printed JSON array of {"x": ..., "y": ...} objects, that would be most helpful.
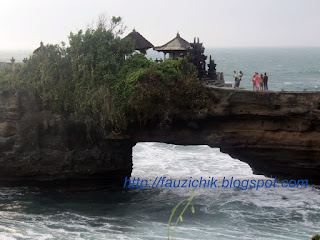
[{"x": 235, "y": 76}]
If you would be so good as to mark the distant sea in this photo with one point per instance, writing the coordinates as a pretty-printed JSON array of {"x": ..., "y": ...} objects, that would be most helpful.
[
  {"x": 290, "y": 69},
  {"x": 18, "y": 55},
  {"x": 267, "y": 213}
]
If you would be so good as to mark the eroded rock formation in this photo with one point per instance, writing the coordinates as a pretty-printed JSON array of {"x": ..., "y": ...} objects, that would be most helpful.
[
  {"x": 276, "y": 133},
  {"x": 45, "y": 149}
]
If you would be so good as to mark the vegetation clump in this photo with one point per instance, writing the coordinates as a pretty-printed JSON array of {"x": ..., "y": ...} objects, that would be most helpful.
[
  {"x": 316, "y": 237},
  {"x": 101, "y": 80}
]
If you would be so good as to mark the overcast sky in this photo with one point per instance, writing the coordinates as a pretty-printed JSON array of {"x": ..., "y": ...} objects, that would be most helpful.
[{"x": 218, "y": 23}]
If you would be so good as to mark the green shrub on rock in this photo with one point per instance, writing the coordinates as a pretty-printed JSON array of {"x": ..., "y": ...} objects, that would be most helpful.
[{"x": 100, "y": 80}]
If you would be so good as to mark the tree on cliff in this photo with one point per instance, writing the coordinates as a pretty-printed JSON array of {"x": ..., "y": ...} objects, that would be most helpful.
[{"x": 100, "y": 80}]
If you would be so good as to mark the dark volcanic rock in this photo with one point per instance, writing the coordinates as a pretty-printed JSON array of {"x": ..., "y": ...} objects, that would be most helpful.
[
  {"x": 45, "y": 149},
  {"x": 276, "y": 133}
]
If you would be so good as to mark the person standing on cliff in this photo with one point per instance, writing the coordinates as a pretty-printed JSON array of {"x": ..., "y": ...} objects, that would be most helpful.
[
  {"x": 254, "y": 82},
  {"x": 240, "y": 75},
  {"x": 236, "y": 80},
  {"x": 257, "y": 81},
  {"x": 265, "y": 82},
  {"x": 261, "y": 82}
]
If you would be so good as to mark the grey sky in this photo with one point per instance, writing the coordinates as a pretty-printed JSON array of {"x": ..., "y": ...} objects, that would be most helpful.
[{"x": 218, "y": 23}]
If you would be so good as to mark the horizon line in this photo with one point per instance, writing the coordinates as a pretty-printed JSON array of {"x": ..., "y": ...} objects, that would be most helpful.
[{"x": 31, "y": 49}]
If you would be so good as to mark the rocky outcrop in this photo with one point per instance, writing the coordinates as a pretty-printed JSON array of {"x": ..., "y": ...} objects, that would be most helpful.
[
  {"x": 40, "y": 148},
  {"x": 276, "y": 133}
]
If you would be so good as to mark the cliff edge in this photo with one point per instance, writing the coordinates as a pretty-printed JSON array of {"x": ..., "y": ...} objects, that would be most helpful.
[{"x": 276, "y": 133}]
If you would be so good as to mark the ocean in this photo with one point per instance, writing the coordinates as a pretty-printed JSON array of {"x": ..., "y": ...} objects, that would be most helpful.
[
  {"x": 288, "y": 69},
  {"x": 220, "y": 213}
]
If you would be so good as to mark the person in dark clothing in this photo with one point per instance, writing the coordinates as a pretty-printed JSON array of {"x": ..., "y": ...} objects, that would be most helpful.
[
  {"x": 236, "y": 80},
  {"x": 265, "y": 82},
  {"x": 240, "y": 75}
]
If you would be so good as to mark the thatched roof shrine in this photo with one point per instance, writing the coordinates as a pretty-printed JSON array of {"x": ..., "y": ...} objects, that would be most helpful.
[
  {"x": 176, "y": 47},
  {"x": 142, "y": 44},
  {"x": 42, "y": 47}
]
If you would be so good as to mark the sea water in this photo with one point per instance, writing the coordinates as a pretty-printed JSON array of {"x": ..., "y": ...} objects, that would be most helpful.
[
  {"x": 289, "y": 69},
  {"x": 228, "y": 213}
]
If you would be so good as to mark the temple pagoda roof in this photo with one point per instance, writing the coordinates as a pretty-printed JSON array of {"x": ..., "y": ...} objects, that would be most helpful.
[
  {"x": 176, "y": 44},
  {"x": 141, "y": 42},
  {"x": 42, "y": 47}
]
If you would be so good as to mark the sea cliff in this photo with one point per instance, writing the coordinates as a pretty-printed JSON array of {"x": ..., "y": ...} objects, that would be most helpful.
[{"x": 276, "y": 133}]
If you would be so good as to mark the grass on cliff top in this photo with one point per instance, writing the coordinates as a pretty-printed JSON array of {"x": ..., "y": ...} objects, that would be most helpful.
[{"x": 100, "y": 80}]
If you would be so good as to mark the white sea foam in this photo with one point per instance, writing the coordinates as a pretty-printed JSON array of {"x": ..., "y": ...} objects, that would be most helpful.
[
  {"x": 274, "y": 213},
  {"x": 6, "y": 237}
]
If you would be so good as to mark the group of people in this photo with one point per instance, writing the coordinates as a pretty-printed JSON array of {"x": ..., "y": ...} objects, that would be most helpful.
[{"x": 259, "y": 82}]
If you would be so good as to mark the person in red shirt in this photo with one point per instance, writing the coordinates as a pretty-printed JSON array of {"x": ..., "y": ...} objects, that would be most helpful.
[
  {"x": 254, "y": 82},
  {"x": 257, "y": 81}
]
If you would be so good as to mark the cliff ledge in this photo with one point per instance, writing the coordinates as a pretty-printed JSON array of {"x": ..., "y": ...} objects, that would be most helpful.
[{"x": 276, "y": 133}]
